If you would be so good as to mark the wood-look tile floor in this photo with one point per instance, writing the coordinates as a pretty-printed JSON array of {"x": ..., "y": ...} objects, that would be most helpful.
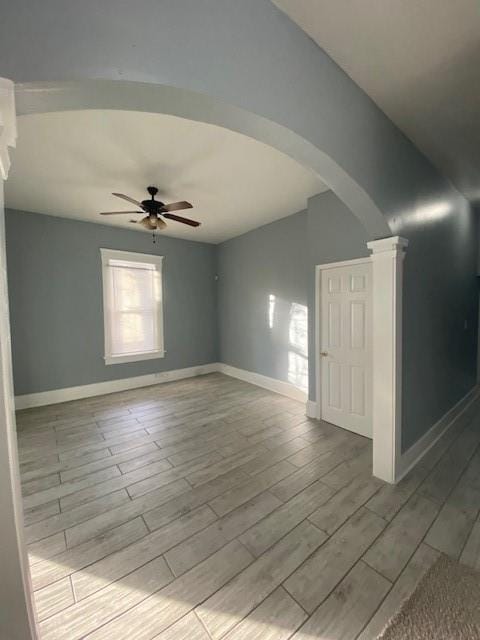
[{"x": 210, "y": 508}]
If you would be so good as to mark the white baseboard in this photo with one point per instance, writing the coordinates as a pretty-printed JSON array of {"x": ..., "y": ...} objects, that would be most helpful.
[
  {"x": 111, "y": 386},
  {"x": 277, "y": 386},
  {"x": 407, "y": 460},
  {"x": 312, "y": 410},
  {"x": 412, "y": 456}
]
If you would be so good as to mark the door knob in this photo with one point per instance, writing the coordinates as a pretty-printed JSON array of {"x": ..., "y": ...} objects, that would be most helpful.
[{"x": 324, "y": 354}]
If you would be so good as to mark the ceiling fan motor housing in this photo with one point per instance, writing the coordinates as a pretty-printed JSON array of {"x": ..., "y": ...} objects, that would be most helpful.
[{"x": 153, "y": 207}]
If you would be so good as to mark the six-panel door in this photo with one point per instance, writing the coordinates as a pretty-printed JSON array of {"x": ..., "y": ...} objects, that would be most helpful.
[{"x": 346, "y": 347}]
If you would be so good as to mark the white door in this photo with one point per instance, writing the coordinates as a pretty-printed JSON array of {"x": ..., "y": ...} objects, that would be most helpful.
[{"x": 346, "y": 347}]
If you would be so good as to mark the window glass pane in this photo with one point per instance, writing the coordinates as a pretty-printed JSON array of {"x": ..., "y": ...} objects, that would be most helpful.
[
  {"x": 133, "y": 332},
  {"x": 134, "y": 307},
  {"x": 133, "y": 289}
]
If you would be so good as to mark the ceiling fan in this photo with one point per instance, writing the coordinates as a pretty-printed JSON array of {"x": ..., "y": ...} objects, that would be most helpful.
[{"x": 155, "y": 211}]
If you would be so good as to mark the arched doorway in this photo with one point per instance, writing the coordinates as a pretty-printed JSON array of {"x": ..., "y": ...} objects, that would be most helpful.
[{"x": 100, "y": 94}]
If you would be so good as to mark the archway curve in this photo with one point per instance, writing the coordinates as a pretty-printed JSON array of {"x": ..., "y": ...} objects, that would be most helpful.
[{"x": 45, "y": 97}]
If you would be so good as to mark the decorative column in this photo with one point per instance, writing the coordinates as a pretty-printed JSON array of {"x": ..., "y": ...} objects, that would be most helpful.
[
  {"x": 387, "y": 269},
  {"x": 17, "y": 618}
]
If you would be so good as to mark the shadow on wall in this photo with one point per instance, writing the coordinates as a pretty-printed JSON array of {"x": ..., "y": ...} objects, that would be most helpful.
[{"x": 288, "y": 323}]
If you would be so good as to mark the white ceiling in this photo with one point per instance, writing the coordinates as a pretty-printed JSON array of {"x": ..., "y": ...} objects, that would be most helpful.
[
  {"x": 68, "y": 164},
  {"x": 419, "y": 60}
]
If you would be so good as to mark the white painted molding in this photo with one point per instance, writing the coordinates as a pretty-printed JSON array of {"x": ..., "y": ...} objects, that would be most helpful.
[
  {"x": 8, "y": 124},
  {"x": 342, "y": 263},
  {"x": 277, "y": 386},
  {"x": 461, "y": 410},
  {"x": 56, "y": 396},
  {"x": 393, "y": 243},
  {"x": 312, "y": 410},
  {"x": 387, "y": 271},
  {"x": 18, "y": 616},
  {"x": 111, "y": 386}
]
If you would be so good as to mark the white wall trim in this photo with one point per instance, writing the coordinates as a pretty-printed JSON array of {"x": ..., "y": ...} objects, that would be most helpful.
[
  {"x": 312, "y": 410},
  {"x": 387, "y": 272},
  {"x": 421, "y": 447},
  {"x": 8, "y": 125},
  {"x": 277, "y": 386},
  {"x": 18, "y": 616},
  {"x": 342, "y": 263},
  {"x": 56, "y": 396},
  {"x": 134, "y": 357},
  {"x": 111, "y": 386}
]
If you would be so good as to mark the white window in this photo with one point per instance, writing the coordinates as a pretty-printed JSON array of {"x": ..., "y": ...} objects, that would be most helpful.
[{"x": 132, "y": 306}]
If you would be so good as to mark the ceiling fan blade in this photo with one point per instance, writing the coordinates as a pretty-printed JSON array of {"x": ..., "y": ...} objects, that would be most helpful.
[
  {"x": 171, "y": 216},
  {"x": 148, "y": 223},
  {"x": 128, "y": 199},
  {"x": 177, "y": 206},
  {"x": 117, "y": 213}
]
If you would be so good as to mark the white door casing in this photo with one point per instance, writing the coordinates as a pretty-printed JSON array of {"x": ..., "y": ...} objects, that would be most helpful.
[{"x": 346, "y": 346}]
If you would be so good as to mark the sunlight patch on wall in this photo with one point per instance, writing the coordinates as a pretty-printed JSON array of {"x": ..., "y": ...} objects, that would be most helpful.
[
  {"x": 298, "y": 343},
  {"x": 288, "y": 324},
  {"x": 429, "y": 213},
  {"x": 271, "y": 310}
]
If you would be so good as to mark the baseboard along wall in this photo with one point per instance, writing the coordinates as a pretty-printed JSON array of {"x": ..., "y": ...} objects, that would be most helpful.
[
  {"x": 312, "y": 410},
  {"x": 408, "y": 459},
  {"x": 56, "y": 396},
  {"x": 462, "y": 410},
  {"x": 272, "y": 384}
]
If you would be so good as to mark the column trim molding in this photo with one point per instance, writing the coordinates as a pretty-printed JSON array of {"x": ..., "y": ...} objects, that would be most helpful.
[
  {"x": 8, "y": 124},
  {"x": 17, "y": 588},
  {"x": 387, "y": 256}
]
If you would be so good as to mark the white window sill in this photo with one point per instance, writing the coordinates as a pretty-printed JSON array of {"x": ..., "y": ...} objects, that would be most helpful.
[{"x": 134, "y": 357}]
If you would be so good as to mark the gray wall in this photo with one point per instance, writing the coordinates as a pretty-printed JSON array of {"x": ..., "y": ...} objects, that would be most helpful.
[
  {"x": 440, "y": 316},
  {"x": 279, "y": 259},
  {"x": 269, "y": 261},
  {"x": 440, "y": 296},
  {"x": 55, "y": 287}
]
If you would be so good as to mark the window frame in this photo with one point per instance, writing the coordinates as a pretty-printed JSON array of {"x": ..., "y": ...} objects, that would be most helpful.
[{"x": 130, "y": 256}]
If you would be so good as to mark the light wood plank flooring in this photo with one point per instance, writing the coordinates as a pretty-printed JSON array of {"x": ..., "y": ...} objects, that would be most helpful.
[{"x": 210, "y": 508}]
